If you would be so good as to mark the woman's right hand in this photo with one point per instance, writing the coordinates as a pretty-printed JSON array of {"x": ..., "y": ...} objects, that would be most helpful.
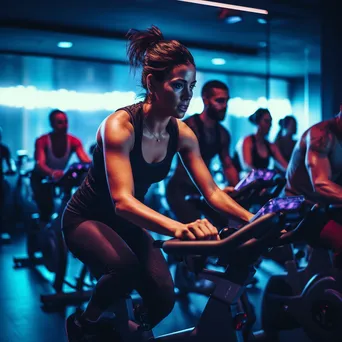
[{"x": 197, "y": 230}]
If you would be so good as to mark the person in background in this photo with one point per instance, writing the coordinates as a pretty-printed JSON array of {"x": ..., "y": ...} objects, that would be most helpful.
[
  {"x": 284, "y": 139},
  {"x": 315, "y": 171},
  {"x": 213, "y": 140},
  {"x": 52, "y": 154},
  {"x": 5, "y": 158},
  {"x": 255, "y": 151}
]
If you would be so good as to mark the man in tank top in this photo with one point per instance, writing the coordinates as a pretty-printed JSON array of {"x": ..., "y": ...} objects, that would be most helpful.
[
  {"x": 315, "y": 171},
  {"x": 316, "y": 163},
  {"x": 52, "y": 154}
]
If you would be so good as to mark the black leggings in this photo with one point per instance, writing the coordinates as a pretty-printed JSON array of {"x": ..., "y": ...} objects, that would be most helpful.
[{"x": 122, "y": 260}]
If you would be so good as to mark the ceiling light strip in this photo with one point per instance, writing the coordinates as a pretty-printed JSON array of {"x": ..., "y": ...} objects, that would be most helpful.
[{"x": 228, "y": 6}]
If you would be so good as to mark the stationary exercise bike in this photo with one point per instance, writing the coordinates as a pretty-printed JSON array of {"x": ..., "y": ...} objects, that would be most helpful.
[
  {"x": 23, "y": 197},
  {"x": 252, "y": 192},
  {"x": 223, "y": 318},
  {"x": 5, "y": 194},
  {"x": 49, "y": 242},
  {"x": 310, "y": 297}
]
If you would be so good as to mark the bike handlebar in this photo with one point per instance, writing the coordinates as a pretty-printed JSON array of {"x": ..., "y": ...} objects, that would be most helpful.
[{"x": 258, "y": 228}]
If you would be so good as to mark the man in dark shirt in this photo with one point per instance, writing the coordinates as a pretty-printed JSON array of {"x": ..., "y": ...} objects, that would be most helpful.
[{"x": 213, "y": 140}]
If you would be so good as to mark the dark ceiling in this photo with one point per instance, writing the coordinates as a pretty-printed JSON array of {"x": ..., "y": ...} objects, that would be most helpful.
[{"x": 97, "y": 30}]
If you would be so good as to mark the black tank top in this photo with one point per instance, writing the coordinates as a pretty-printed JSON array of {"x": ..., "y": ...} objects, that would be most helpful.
[
  {"x": 93, "y": 196},
  {"x": 208, "y": 149},
  {"x": 259, "y": 162}
]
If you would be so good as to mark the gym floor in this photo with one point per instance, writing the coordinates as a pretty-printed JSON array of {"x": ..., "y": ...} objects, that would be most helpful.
[{"x": 23, "y": 320}]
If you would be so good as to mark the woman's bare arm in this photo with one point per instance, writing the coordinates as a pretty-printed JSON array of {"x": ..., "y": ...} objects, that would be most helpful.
[
  {"x": 245, "y": 154},
  {"x": 117, "y": 135},
  {"x": 319, "y": 145}
]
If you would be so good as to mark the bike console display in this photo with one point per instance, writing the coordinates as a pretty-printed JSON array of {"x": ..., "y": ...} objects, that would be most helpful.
[
  {"x": 254, "y": 175},
  {"x": 291, "y": 204}
]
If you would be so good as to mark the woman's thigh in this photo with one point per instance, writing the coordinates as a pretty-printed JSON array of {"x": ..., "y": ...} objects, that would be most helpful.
[
  {"x": 154, "y": 273},
  {"x": 127, "y": 248},
  {"x": 99, "y": 247}
]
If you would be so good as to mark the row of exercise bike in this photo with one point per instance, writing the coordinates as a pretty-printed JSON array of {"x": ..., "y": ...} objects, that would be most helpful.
[
  {"x": 16, "y": 196},
  {"x": 307, "y": 297}
]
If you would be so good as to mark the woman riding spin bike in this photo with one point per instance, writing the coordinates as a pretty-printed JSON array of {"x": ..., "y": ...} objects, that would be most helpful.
[{"x": 106, "y": 224}]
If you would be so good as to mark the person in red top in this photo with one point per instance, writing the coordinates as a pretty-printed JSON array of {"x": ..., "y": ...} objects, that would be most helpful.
[{"x": 52, "y": 154}]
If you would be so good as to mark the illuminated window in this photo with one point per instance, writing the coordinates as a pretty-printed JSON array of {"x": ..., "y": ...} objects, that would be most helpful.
[{"x": 33, "y": 98}]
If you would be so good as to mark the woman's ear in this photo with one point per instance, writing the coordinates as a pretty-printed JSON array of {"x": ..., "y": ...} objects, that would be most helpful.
[
  {"x": 152, "y": 87},
  {"x": 150, "y": 83}
]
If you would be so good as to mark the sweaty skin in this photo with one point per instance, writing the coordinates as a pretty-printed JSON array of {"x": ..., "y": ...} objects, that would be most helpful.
[
  {"x": 316, "y": 163},
  {"x": 116, "y": 137}
]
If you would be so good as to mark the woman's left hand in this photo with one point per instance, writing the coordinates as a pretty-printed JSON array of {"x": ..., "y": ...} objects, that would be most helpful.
[{"x": 228, "y": 189}]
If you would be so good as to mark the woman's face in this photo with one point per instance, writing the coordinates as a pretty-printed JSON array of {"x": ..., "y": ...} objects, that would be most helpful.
[
  {"x": 265, "y": 123},
  {"x": 173, "y": 95}
]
